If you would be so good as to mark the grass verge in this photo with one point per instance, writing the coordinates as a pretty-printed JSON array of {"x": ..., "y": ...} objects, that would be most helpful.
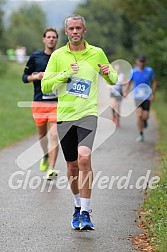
[
  {"x": 16, "y": 123},
  {"x": 155, "y": 205}
]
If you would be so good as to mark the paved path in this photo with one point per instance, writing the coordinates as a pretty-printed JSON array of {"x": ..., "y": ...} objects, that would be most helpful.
[{"x": 39, "y": 219}]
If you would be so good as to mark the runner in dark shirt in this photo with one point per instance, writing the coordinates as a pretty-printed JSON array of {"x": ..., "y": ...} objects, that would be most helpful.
[{"x": 44, "y": 107}]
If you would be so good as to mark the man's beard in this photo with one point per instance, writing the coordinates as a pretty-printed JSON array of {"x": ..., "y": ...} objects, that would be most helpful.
[{"x": 76, "y": 42}]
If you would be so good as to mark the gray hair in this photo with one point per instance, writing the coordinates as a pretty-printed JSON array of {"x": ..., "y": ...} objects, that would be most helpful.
[{"x": 75, "y": 17}]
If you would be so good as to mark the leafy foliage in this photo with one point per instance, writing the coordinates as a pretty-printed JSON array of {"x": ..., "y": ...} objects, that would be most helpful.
[
  {"x": 102, "y": 25},
  {"x": 1, "y": 21},
  {"x": 125, "y": 29},
  {"x": 26, "y": 27},
  {"x": 147, "y": 20}
]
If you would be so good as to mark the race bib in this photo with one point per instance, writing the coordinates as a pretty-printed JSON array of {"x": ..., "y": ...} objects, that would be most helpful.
[
  {"x": 78, "y": 87},
  {"x": 50, "y": 96},
  {"x": 141, "y": 93}
]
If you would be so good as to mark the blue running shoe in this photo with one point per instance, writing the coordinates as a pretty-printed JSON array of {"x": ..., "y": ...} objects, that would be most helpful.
[
  {"x": 85, "y": 222},
  {"x": 76, "y": 218}
]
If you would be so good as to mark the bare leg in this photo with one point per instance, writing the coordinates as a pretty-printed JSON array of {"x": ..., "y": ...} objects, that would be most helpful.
[
  {"x": 53, "y": 145},
  {"x": 117, "y": 108},
  {"x": 85, "y": 172},
  {"x": 81, "y": 186},
  {"x": 145, "y": 115},
  {"x": 80, "y": 175},
  {"x": 73, "y": 174},
  {"x": 113, "y": 108},
  {"x": 42, "y": 135},
  {"x": 140, "y": 119}
]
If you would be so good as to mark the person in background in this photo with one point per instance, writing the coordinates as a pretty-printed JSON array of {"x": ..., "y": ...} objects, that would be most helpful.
[
  {"x": 20, "y": 54},
  {"x": 10, "y": 54},
  {"x": 116, "y": 96},
  {"x": 145, "y": 86},
  {"x": 44, "y": 107}
]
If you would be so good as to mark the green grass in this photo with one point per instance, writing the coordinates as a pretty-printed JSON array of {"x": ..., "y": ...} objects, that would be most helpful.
[
  {"x": 156, "y": 204},
  {"x": 16, "y": 123}
]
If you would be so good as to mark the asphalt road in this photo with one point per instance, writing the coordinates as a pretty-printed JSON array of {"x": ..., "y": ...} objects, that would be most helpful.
[{"x": 35, "y": 216}]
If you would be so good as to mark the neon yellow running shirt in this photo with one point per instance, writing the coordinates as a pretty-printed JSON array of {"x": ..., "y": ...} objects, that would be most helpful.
[{"x": 58, "y": 75}]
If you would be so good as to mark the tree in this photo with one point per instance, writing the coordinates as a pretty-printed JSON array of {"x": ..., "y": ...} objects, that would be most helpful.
[
  {"x": 26, "y": 27},
  {"x": 103, "y": 25},
  {"x": 1, "y": 22},
  {"x": 148, "y": 21},
  {"x": 125, "y": 29}
]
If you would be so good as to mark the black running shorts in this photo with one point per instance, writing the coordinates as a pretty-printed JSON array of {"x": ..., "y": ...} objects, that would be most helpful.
[
  {"x": 73, "y": 134},
  {"x": 145, "y": 105}
]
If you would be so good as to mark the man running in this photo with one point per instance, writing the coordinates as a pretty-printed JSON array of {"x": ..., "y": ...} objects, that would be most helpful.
[
  {"x": 44, "y": 106},
  {"x": 73, "y": 70},
  {"x": 145, "y": 86}
]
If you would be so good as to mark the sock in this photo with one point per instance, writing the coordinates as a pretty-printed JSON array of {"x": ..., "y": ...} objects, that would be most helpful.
[
  {"x": 51, "y": 168},
  {"x": 141, "y": 133},
  {"x": 77, "y": 200},
  {"x": 85, "y": 202}
]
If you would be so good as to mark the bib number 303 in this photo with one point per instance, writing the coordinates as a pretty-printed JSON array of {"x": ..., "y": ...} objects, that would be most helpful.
[{"x": 78, "y": 87}]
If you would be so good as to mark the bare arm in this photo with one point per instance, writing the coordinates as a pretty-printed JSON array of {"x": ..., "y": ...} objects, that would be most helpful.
[{"x": 154, "y": 88}]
